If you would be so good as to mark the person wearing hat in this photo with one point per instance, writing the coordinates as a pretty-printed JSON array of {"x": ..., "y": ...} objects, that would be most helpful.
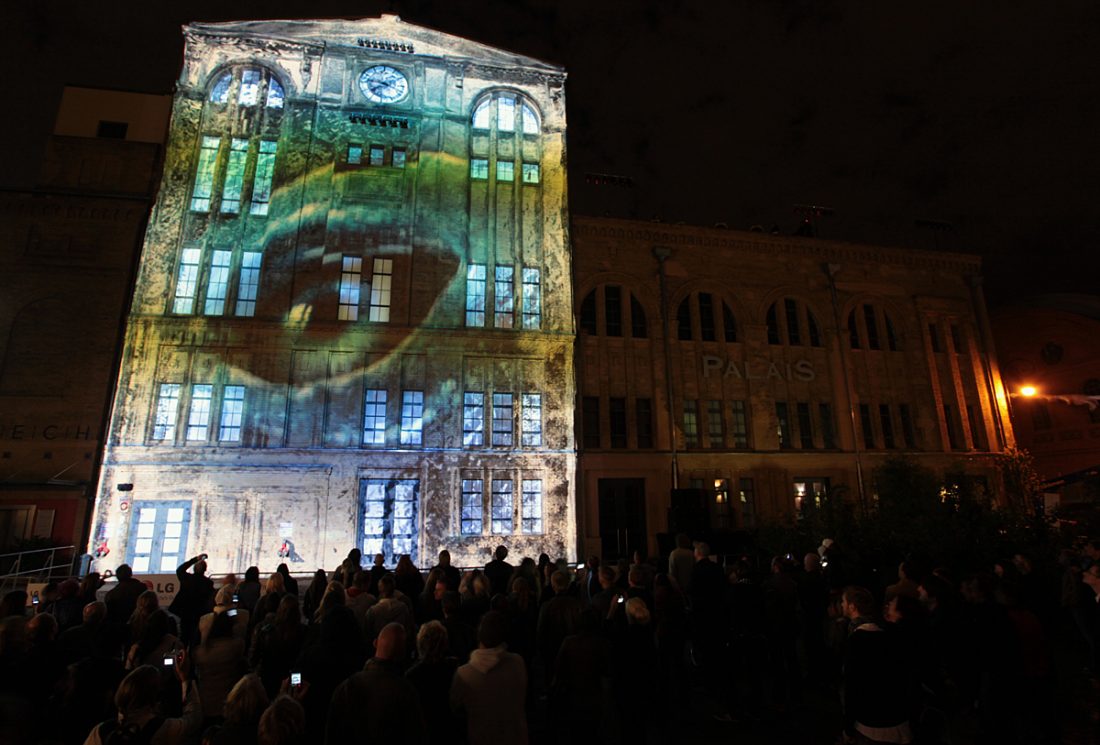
[{"x": 224, "y": 602}]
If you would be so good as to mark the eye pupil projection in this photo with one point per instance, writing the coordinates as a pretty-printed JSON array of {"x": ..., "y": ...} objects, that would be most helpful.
[{"x": 383, "y": 84}]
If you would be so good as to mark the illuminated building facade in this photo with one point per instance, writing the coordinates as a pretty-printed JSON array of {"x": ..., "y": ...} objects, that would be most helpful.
[
  {"x": 352, "y": 323},
  {"x": 769, "y": 373}
]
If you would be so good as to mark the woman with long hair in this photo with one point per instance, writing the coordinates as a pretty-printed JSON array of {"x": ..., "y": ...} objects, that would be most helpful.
[
  {"x": 219, "y": 662},
  {"x": 277, "y": 644}
]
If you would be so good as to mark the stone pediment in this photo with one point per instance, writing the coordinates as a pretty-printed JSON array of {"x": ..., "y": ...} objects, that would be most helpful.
[{"x": 387, "y": 32}]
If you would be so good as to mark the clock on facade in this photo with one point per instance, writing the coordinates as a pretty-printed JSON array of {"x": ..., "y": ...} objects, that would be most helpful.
[{"x": 383, "y": 84}]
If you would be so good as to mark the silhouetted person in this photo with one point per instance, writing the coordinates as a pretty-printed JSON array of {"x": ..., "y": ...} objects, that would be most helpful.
[
  {"x": 499, "y": 571},
  {"x": 195, "y": 597}
]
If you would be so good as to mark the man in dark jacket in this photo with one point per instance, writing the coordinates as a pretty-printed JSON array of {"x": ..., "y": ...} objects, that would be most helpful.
[
  {"x": 558, "y": 619},
  {"x": 195, "y": 597},
  {"x": 499, "y": 571},
  {"x": 378, "y": 705},
  {"x": 122, "y": 600},
  {"x": 875, "y": 677}
]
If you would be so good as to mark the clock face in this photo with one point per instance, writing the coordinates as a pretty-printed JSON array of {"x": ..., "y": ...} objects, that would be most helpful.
[{"x": 383, "y": 84}]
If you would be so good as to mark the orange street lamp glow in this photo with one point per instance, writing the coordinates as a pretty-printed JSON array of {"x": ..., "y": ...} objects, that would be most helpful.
[{"x": 1028, "y": 391}]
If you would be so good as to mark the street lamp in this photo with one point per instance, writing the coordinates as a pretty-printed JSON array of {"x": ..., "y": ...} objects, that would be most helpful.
[{"x": 1027, "y": 391}]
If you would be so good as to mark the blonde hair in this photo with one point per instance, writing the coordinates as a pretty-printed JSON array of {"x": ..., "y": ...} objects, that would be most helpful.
[
  {"x": 247, "y": 701},
  {"x": 275, "y": 583},
  {"x": 636, "y": 611}
]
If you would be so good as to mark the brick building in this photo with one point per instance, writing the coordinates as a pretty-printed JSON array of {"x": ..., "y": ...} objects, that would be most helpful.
[
  {"x": 768, "y": 372},
  {"x": 352, "y": 324},
  {"x": 66, "y": 264}
]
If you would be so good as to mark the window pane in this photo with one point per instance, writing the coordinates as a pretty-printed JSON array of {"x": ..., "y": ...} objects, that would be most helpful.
[
  {"x": 250, "y": 283},
  {"x": 204, "y": 174},
  {"x": 374, "y": 417},
  {"x": 482, "y": 114},
  {"x": 616, "y": 411},
  {"x": 872, "y": 326},
  {"x": 265, "y": 170},
  {"x": 706, "y": 316},
  {"x": 220, "y": 91},
  {"x": 643, "y": 412},
  {"x": 887, "y": 424},
  {"x": 504, "y": 300},
  {"x": 867, "y": 426},
  {"x": 502, "y": 419},
  {"x": 479, "y": 168},
  {"x": 475, "y": 295},
  {"x": 714, "y": 424},
  {"x": 234, "y": 176},
  {"x": 250, "y": 88},
  {"x": 232, "y": 413},
  {"x": 506, "y": 170},
  {"x": 398, "y": 159},
  {"x": 637, "y": 319},
  {"x": 729, "y": 324},
  {"x": 412, "y": 417},
  {"x": 530, "y": 120},
  {"x": 380, "y": 287},
  {"x": 790, "y": 307},
  {"x": 502, "y": 507},
  {"x": 772, "y": 321},
  {"x": 739, "y": 427},
  {"x": 613, "y": 310},
  {"x": 198, "y": 420},
  {"x": 683, "y": 321},
  {"x": 506, "y": 114},
  {"x": 377, "y": 155},
  {"x": 470, "y": 510},
  {"x": 531, "y": 507},
  {"x": 815, "y": 335},
  {"x": 275, "y": 95},
  {"x": 355, "y": 155},
  {"x": 805, "y": 426},
  {"x": 218, "y": 286},
  {"x": 828, "y": 436},
  {"x": 164, "y": 423},
  {"x": 783, "y": 424},
  {"x": 530, "y": 173},
  {"x": 350, "y": 280},
  {"x": 187, "y": 281},
  {"x": 532, "y": 299},
  {"x": 473, "y": 419},
  {"x": 531, "y": 414},
  {"x": 691, "y": 424}
]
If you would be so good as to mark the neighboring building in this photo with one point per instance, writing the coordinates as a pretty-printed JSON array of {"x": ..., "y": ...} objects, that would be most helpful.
[
  {"x": 1051, "y": 342},
  {"x": 67, "y": 250},
  {"x": 352, "y": 324},
  {"x": 731, "y": 363}
]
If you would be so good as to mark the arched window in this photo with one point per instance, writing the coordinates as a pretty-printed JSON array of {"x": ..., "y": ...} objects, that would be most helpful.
[
  {"x": 791, "y": 322},
  {"x": 504, "y": 145},
  {"x": 505, "y": 111},
  {"x": 246, "y": 86},
  {"x": 615, "y": 302},
  {"x": 706, "y": 308},
  {"x": 869, "y": 327}
]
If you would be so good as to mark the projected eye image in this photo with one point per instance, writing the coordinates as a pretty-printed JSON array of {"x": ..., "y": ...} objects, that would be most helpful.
[{"x": 352, "y": 324}]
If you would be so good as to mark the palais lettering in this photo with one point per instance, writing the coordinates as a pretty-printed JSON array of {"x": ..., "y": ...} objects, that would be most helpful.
[{"x": 801, "y": 370}]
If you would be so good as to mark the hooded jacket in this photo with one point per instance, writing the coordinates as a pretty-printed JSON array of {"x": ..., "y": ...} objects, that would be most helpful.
[{"x": 490, "y": 691}]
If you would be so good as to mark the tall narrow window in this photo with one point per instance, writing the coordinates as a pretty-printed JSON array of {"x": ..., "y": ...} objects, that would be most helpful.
[
  {"x": 502, "y": 507},
  {"x": 891, "y": 335},
  {"x": 643, "y": 413},
  {"x": 783, "y": 424},
  {"x": 483, "y": 114},
  {"x": 934, "y": 337},
  {"x": 504, "y": 299},
  {"x": 479, "y": 169},
  {"x": 374, "y": 417},
  {"x": 748, "y": 502},
  {"x": 249, "y": 284},
  {"x": 715, "y": 436},
  {"x": 872, "y": 327},
  {"x": 532, "y": 298},
  {"x": 771, "y": 320},
  {"x": 794, "y": 335},
  {"x": 218, "y": 286},
  {"x": 853, "y": 331},
  {"x": 168, "y": 401},
  {"x": 683, "y": 321},
  {"x": 886, "y": 421},
  {"x": 867, "y": 425},
  {"x": 204, "y": 174},
  {"x": 376, "y": 155},
  {"x": 637, "y": 319},
  {"x": 473, "y": 491},
  {"x": 506, "y": 114},
  {"x": 412, "y": 417},
  {"x": 828, "y": 429},
  {"x": 954, "y": 437},
  {"x": 706, "y": 316},
  {"x": 530, "y": 173},
  {"x": 398, "y": 158},
  {"x": 805, "y": 426},
  {"x": 232, "y": 414},
  {"x": 530, "y": 120},
  {"x": 351, "y": 274},
  {"x": 616, "y": 411},
  {"x": 908, "y": 433},
  {"x": 355, "y": 155},
  {"x": 531, "y": 506},
  {"x": 187, "y": 281},
  {"x": 502, "y": 420},
  {"x": 975, "y": 427},
  {"x": 739, "y": 425},
  {"x": 587, "y": 320},
  {"x": 531, "y": 420},
  {"x": 590, "y": 421},
  {"x": 506, "y": 170},
  {"x": 613, "y": 310},
  {"x": 265, "y": 171},
  {"x": 198, "y": 418},
  {"x": 250, "y": 88},
  {"x": 380, "y": 285},
  {"x": 475, "y": 295},
  {"x": 473, "y": 419},
  {"x": 729, "y": 324},
  {"x": 691, "y": 424},
  {"x": 234, "y": 176},
  {"x": 815, "y": 334}
]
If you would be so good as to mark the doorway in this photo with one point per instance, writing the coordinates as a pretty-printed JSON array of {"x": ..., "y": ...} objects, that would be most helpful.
[
  {"x": 622, "y": 518},
  {"x": 387, "y": 518},
  {"x": 158, "y": 536}
]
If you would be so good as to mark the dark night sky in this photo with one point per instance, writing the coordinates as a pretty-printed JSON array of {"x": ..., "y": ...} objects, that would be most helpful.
[{"x": 731, "y": 111}]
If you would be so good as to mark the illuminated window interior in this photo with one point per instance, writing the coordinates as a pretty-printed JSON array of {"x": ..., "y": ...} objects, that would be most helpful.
[
  {"x": 412, "y": 418},
  {"x": 374, "y": 417},
  {"x": 351, "y": 273},
  {"x": 531, "y": 507},
  {"x": 232, "y": 414},
  {"x": 531, "y": 436},
  {"x": 187, "y": 281},
  {"x": 502, "y": 509},
  {"x": 380, "y": 287},
  {"x": 475, "y": 295},
  {"x": 249, "y": 283},
  {"x": 472, "y": 507},
  {"x": 198, "y": 418},
  {"x": 504, "y": 298},
  {"x": 473, "y": 419},
  {"x": 502, "y": 420},
  {"x": 532, "y": 298},
  {"x": 164, "y": 421},
  {"x": 218, "y": 285}
]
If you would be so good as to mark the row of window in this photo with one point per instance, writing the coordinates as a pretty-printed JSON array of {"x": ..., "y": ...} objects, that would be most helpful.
[
  {"x": 218, "y": 269},
  {"x": 377, "y": 156},
  {"x": 242, "y": 167},
  {"x": 503, "y": 112},
  {"x": 504, "y": 297},
  {"x": 505, "y": 171},
  {"x": 214, "y": 415},
  {"x": 501, "y": 509}
]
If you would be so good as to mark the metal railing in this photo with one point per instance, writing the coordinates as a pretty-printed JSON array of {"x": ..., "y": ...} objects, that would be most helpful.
[{"x": 40, "y": 565}]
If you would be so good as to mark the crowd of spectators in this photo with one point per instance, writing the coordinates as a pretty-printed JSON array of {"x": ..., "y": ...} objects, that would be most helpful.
[{"x": 366, "y": 654}]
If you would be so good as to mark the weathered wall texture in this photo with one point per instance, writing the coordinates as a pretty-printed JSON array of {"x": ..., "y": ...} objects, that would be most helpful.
[{"x": 297, "y": 471}]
